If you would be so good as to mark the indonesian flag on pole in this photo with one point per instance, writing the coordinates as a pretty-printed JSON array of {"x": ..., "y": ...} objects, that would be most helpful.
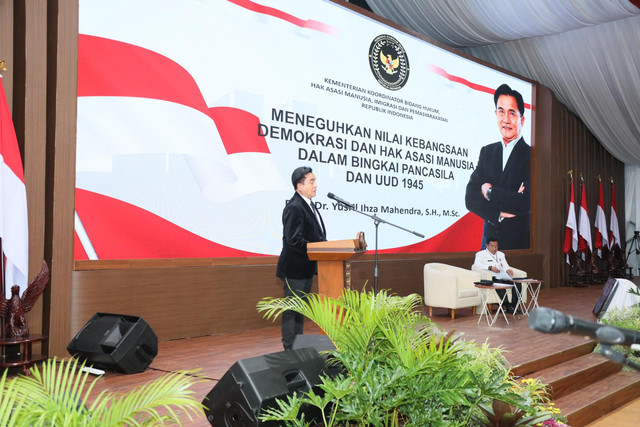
[
  {"x": 602, "y": 236},
  {"x": 571, "y": 230},
  {"x": 13, "y": 208},
  {"x": 584, "y": 225},
  {"x": 614, "y": 229}
]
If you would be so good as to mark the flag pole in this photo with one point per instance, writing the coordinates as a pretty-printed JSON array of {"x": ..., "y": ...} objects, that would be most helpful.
[
  {"x": 3, "y": 355},
  {"x": 2, "y": 287},
  {"x": 3, "y": 67}
]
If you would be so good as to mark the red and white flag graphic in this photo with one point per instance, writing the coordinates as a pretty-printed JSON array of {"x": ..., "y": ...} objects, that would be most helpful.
[
  {"x": 602, "y": 236},
  {"x": 153, "y": 106},
  {"x": 13, "y": 198},
  {"x": 571, "y": 229},
  {"x": 614, "y": 228},
  {"x": 584, "y": 225}
]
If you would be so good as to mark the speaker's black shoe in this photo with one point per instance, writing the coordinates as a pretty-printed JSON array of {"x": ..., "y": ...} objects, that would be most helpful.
[{"x": 512, "y": 310}]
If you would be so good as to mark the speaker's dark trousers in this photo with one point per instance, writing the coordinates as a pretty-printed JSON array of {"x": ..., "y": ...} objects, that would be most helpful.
[
  {"x": 514, "y": 296},
  {"x": 292, "y": 322}
]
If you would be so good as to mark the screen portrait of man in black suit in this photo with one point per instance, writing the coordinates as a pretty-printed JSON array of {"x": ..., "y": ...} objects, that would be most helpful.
[
  {"x": 499, "y": 189},
  {"x": 302, "y": 223}
]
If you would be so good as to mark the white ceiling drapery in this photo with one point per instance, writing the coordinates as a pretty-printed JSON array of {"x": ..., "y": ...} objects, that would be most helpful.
[{"x": 587, "y": 52}]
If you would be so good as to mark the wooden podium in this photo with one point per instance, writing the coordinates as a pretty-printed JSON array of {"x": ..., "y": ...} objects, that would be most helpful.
[{"x": 333, "y": 257}]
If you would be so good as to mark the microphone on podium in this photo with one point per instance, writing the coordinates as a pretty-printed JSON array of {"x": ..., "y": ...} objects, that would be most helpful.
[
  {"x": 548, "y": 320},
  {"x": 338, "y": 199}
]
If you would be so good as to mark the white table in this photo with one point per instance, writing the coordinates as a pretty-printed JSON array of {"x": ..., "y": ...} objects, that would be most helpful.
[
  {"x": 485, "y": 291},
  {"x": 533, "y": 286}
]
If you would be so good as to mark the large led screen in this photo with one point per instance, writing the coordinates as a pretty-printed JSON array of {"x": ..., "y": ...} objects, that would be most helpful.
[{"x": 193, "y": 114}]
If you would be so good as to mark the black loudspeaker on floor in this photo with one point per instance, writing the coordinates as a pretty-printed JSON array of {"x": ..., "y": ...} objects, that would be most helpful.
[
  {"x": 253, "y": 384},
  {"x": 116, "y": 342}
]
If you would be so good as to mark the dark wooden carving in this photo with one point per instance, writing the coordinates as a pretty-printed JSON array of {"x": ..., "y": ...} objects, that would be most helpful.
[
  {"x": 14, "y": 309},
  {"x": 580, "y": 272},
  {"x": 618, "y": 262},
  {"x": 590, "y": 262}
]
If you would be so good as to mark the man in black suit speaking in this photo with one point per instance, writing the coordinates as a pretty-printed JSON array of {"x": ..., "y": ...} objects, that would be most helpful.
[
  {"x": 302, "y": 223},
  {"x": 499, "y": 188}
]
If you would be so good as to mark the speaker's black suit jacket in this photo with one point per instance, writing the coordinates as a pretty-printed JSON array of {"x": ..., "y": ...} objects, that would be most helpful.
[
  {"x": 512, "y": 233},
  {"x": 299, "y": 227}
]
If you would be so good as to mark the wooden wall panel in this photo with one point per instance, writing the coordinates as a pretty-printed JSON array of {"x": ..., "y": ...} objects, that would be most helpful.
[
  {"x": 62, "y": 67},
  {"x": 590, "y": 159},
  {"x": 30, "y": 85},
  {"x": 177, "y": 302},
  {"x": 6, "y": 47},
  {"x": 192, "y": 301},
  {"x": 564, "y": 144},
  {"x": 548, "y": 224}
]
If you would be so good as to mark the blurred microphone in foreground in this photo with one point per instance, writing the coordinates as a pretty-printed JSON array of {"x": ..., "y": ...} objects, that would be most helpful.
[{"x": 548, "y": 320}]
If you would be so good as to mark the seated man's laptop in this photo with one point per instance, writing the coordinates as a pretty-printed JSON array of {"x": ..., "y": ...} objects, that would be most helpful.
[{"x": 502, "y": 277}]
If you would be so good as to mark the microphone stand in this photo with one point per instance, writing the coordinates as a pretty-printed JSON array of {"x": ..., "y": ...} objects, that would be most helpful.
[
  {"x": 634, "y": 246},
  {"x": 551, "y": 321},
  {"x": 377, "y": 221},
  {"x": 617, "y": 357},
  {"x": 607, "y": 337}
]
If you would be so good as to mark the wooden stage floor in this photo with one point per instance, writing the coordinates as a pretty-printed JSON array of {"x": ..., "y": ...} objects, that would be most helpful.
[{"x": 215, "y": 354}]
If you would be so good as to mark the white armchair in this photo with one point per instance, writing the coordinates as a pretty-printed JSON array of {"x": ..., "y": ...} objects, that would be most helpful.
[
  {"x": 450, "y": 287},
  {"x": 492, "y": 297}
]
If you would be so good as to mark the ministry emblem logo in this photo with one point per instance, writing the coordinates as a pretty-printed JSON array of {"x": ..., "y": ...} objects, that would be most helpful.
[{"x": 389, "y": 62}]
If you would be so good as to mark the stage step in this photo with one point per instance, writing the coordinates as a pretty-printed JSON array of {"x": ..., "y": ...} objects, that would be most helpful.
[
  {"x": 574, "y": 374},
  {"x": 584, "y": 385},
  {"x": 554, "y": 359},
  {"x": 600, "y": 398}
]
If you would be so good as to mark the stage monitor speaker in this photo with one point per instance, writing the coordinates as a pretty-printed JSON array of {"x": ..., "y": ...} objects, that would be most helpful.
[
  {"x": 251, "y": 385},
  {"x": 116, "y": 342},
  {"x": 602, "y": 304},
  {"x": 320, "y": 343}
]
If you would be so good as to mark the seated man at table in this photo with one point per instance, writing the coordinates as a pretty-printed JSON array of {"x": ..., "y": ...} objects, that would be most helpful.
[{"x": 493, "y": 260}]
